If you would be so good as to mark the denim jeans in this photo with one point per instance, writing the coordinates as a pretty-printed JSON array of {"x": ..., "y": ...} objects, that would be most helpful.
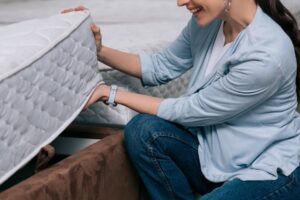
[{"x": 166, "y": 158}]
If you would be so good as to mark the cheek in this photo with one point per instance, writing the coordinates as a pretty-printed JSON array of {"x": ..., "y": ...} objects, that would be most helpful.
[
  {"x": 212, "y": 11},
  {"x": 216, "y": 8}
]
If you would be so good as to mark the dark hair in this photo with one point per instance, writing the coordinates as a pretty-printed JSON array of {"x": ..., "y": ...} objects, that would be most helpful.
[{"x": 279, "y": 13}]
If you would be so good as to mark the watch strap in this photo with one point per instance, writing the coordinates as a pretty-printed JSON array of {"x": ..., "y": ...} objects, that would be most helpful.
[{"x": 112, "y": 95}]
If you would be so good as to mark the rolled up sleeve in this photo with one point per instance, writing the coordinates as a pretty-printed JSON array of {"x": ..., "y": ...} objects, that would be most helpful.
[
  {"x": 168, "y": 64},
  {"x": 248, "y": 84}
]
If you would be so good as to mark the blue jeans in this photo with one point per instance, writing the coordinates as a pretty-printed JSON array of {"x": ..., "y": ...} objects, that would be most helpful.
[{"x": 166, "y": 158}]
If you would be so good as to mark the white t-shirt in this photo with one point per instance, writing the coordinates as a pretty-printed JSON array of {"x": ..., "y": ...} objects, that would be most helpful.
[{"x": 218, "y": 50}]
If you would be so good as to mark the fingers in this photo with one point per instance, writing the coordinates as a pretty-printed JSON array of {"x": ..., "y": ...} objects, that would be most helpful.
[
  {"x": 96, "y": 31},
  {"x": 67, "y": 10},
  {"x": 97, "y": 36},
  {"x": 95, "y": 28},
  {"x": 79, "y": 8},
  {"x": 90, "y": 102},
  {"x": 85, "y": 107}
]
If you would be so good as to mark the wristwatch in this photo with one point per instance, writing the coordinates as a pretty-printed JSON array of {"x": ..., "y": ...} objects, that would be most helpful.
[{"x": 112, "y": 96}]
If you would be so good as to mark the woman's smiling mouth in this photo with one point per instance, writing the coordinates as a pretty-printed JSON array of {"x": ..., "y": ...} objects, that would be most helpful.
[{"x": 195, "y": 11}]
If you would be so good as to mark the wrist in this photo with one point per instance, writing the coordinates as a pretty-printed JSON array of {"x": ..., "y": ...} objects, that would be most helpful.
[{"x": 112, "y": 95}]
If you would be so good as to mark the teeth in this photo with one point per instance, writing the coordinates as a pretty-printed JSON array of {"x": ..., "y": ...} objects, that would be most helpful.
[{"x": 195, "y": 10}]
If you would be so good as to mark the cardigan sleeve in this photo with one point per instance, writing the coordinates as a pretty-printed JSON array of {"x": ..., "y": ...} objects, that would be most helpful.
[
  {"x": 168, "y": 64},
  {"x": 248, "y": 84}
]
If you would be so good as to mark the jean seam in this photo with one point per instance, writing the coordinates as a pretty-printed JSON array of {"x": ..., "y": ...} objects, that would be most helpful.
[
  {"x": 161, "y": 172},
  {"x": 285, "y": 186},
  {"x": 159, "y": 134},
  {"x": 156, "y": 163}
]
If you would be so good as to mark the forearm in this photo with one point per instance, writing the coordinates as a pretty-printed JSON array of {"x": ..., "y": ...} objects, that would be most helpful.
[
  {"x": 138, "y": 102},
  {"x": 122, "y": 61}
]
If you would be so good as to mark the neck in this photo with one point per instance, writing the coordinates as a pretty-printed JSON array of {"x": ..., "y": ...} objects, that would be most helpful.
[{"x": 238, "y": 18}]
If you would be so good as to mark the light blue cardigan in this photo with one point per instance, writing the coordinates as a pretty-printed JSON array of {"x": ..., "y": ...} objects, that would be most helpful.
[{"x": 244, "y": 112}]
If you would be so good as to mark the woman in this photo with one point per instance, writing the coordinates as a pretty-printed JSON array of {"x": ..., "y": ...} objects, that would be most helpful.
[{"x": 235, "y": 132}]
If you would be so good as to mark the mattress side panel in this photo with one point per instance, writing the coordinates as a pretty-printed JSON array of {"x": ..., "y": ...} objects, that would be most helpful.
[{"x": 40, "y": 101}]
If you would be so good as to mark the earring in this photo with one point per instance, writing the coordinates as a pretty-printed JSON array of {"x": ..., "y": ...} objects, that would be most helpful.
[{"x": 227, "y": 4}]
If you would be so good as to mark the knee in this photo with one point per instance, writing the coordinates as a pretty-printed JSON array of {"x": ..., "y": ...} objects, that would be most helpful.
[
  {"x": 138, "y": 131},
  {"x": 136, "y": 128}
]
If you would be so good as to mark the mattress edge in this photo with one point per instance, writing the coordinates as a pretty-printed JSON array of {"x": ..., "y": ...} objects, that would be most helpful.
[{"x": 48, "y": 48}]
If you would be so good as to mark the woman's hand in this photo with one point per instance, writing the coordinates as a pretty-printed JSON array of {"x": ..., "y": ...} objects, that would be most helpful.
[
  {"x": 98, "y": 39},
  {"x": 101, "y": 93},
  {"x": 95, "y": 29},
  {"x": 79, "y": 8}
]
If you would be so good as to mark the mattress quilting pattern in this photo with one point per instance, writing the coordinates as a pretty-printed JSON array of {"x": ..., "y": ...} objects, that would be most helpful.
[
  {"x": 120, "y": 115},
  {"x": 44, "y": 85},
  {"x": 103, "y": 115}
]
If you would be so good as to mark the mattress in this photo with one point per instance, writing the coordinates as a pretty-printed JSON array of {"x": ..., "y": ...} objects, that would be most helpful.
[{"x": 48, "y": 70}]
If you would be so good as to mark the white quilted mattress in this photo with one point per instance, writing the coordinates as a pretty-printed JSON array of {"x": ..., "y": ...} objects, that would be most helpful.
[{"x": 48, "y": 69}]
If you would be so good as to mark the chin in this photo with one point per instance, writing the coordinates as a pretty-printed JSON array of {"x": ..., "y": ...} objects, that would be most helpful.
[{"x": 202, "y": 23}]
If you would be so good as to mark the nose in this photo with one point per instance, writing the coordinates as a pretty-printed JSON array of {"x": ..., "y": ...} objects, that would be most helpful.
[{"x": 182, "y": 2}]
